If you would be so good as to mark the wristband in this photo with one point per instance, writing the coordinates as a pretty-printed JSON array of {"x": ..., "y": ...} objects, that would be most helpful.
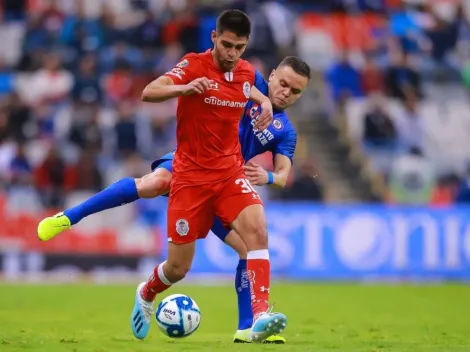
[{"x": 270, "y": 178}]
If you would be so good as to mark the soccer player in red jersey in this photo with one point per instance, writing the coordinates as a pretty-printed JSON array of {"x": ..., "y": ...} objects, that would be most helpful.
[{"x": 208, "y": 175}]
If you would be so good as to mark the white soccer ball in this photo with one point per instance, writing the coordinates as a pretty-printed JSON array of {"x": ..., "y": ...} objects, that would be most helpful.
[{"x": 178, "y": 316}]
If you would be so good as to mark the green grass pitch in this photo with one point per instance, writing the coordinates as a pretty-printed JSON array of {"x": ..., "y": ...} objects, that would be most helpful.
[{"x": 322, "y": 317}]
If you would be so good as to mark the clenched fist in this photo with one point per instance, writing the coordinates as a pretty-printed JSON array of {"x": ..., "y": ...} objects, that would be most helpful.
[{"x": 198, "y": 86}]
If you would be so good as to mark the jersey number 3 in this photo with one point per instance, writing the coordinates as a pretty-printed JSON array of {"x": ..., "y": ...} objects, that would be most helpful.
[{"x": 246, "y": 187}]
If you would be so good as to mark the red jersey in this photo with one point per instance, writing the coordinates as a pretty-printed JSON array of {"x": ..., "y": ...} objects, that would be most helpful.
[{"x": 207, "y": 145}]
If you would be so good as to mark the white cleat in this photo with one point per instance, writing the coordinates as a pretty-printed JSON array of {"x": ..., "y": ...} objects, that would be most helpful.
[{"x": 141, "y": 315}]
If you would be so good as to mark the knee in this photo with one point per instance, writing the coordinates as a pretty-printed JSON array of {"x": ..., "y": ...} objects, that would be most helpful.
[
  {"x": 261, "y": 235},
  {"x": 175, "y": 271},
  {"x": 152, "y": 185}
]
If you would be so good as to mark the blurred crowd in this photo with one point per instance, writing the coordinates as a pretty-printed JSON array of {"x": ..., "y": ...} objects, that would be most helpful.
[
  {"x": 71, "y": 76},
  {"x": 72, "y": 71},
  {"x": 404, "y": 92}
]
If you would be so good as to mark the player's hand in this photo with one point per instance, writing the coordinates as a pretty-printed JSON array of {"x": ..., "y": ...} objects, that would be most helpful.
[
  {"x": 198, "y": 86},
  {"x": 257, "y": 175},
  {"x": 266, "y": 116}
]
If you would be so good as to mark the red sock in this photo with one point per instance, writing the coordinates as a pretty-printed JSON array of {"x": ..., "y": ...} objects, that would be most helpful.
[
  {"x": 156, "y": 283},
  {"x": 259, "y": 271}
]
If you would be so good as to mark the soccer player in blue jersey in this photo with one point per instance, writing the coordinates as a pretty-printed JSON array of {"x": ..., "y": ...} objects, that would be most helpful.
[{"x": 286, "y": 84}]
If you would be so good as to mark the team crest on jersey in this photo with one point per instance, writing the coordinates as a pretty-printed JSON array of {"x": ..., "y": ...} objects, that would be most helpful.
[
  {"x": 183, "y": 64},
  {"x": 247, "y": 89},
  {"x": 182, "y": 227},
  {"x": 254, "y": 111},
  {"x": 277, "y": 124}
]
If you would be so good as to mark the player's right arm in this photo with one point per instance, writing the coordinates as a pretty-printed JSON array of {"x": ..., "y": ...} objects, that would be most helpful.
[
  {"x": 163, "y": 88},
  {"x": 182, "y": 80}
]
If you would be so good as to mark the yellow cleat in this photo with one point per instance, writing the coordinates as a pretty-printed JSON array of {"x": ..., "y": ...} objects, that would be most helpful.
[
  {"x": 275, "y": 339},
  {"x": 52, "y": 226},
  {"x": 242, "y": 336}
]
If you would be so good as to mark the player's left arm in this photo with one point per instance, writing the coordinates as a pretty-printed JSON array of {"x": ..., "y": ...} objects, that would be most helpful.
[
  {"x": 259, "y": 176},
  {"x": 266, "y": 116},
  {"x": 283, "y": 155}
]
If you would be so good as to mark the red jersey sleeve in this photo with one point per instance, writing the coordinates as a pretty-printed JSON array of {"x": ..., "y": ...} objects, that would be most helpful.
[{"x": 186, "y": 70}]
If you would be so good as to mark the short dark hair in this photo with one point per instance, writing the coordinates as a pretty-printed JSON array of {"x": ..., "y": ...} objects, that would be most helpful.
[
  {"x": 297, "y": 64},
  {"x": 234, "y": 21}
]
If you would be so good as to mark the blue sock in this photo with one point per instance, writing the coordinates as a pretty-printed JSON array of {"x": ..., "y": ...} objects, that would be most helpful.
[
  {"x": 122, "y": 192},
  {"x": 242, "y": 287}
]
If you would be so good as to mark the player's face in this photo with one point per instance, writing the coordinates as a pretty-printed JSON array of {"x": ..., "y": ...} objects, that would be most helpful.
[
  {"x": 228, "y": 48},
  {"x": 286, "y": 87}
]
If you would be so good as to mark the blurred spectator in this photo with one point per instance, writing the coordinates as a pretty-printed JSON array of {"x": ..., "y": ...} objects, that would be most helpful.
[
  {"x": 463, "y": 192},
  {"x": 372, "y": 77},
  {"x": 412, "y": 179},
  {"x": 405, "y": 28},
  {"x": 52, "y": 18},
  {"x": 126, "y": 130},
  {"x": 20, "y": 168},
  {"x": 113, "y": 57},
  {"x": 36, "y": 41},
  {"x": 411, "y": 125},
  {"x": 4, "y": 127},
  {"x": 442, "y": 34},
  {"x": 6, "y": 79},
  {"x": 379, "y": 130},
  {"x": 108, "y": 24},
  {"x": 6, "y": 155},
  {"x": 344, "y": 79},
  {"x": 86, "y": 174},
  {"x": 81, "y": 34},
  {"x": 7, "y": 148},
  {"x": 14, "y": 9},
  {"x": 19, "y": 117},
  {"x": 51, "y": 84},
  {"x": 118, "y": 84},
  {"x": 87, "y": 88},
  {"x": 53, "y": 178},
  {"x": 466, "y": 73},
  {"x": 446, "y": 190},
  {"x": 401, "y": 79},
  {"x": 148, "y": 32},
  {"x": 181, "y": 27},
  {"x": 304, "y": 187},
  {"x": 172, "y": 53},
  {"x": 43, "y": 117},
  {"x": 85, "y": 132}
]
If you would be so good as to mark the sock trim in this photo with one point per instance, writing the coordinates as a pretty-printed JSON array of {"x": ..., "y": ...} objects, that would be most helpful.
[
  {"x": 258, "y": 254},
  {"x": 162, "y": 276}
]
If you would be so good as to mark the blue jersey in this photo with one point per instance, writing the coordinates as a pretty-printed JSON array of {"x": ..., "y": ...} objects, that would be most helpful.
[{"x": 279, "y": 138}]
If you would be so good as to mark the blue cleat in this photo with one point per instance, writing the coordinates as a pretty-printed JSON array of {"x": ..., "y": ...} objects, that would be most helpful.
[
  {"x": 141, "y": 315},
  {"x": 266, "y": 325}
]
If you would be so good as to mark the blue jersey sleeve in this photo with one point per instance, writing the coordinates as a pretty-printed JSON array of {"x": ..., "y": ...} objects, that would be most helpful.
[
  {"x": 287, "y": 144},
  {"x": 259, "y": 81}
]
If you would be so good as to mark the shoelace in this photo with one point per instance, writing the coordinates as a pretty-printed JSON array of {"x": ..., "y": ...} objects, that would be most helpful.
[
  {"x": 270, "y": 309},
  {"x": 147, "y": 308}
]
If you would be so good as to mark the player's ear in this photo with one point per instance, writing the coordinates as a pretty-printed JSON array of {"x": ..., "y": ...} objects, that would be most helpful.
[
  {"x": 214, "y": 37},
  {"x": 271, "y": 76}
]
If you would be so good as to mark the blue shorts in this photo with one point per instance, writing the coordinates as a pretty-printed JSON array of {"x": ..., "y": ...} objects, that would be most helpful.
[{"x": 166, "y": 162}]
